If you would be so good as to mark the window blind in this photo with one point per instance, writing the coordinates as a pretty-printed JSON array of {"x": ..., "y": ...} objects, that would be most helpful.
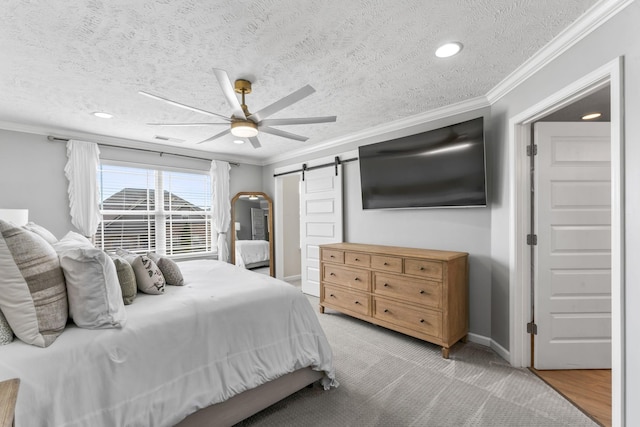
[{"x": 167, "y": 212}]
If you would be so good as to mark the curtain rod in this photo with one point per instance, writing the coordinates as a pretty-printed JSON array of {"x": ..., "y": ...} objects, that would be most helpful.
[
  {"x": 55, "y": 138},
  {"x": 306, "y": 168}
]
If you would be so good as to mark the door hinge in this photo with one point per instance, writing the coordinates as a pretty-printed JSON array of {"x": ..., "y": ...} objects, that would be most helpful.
[
  {"x": 532, "y": 328},
  {"x": 533, "y": 148},
  {"x": 532, "y": 239}
]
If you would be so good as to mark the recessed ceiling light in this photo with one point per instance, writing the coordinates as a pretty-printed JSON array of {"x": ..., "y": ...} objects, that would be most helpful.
[
  {"x": 238, "y": 141},
  {"x": 591, "y": 116},
  {"x": 102, "y": 115},
  {"x": 448, "y": 49}
]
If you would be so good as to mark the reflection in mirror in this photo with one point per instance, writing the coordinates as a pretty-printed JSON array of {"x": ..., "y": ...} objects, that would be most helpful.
[{"x": 252, "y": 228}]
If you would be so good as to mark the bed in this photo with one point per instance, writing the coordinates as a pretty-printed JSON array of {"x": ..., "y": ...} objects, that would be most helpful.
[
  {"x": 225, "y": 345},
  {"x": 252, "y": 253}
]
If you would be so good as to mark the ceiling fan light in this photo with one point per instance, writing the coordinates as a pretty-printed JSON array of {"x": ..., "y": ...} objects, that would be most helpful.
[
  {"x": 244, "y": 129},
  {"x": 448, "y": 49}
]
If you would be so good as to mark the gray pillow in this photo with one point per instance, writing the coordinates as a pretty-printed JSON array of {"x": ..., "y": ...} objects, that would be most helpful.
[
  {"x": 126, "y": 277},
  {"x": 34, "y": 295},
  {"x": 170, "y": 270},
  {"x": 6, "y": 334}
]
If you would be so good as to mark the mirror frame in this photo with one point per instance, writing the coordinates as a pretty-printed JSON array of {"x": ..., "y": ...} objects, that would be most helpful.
[{"x": 272, "y": 265}]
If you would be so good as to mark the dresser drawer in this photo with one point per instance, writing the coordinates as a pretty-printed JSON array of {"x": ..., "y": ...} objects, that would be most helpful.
[
  {"x": 357, "y": 259},
  {"x": 418, "y": 291},
  {"x": 347, "y": 276},
  {"x": 386, "y": 263},
  {"x": 348, "y": 300},
  {"x": 424, "y": 268},
  {"x": 425, "y": 321},
  {"x": 331, "y": 255}
]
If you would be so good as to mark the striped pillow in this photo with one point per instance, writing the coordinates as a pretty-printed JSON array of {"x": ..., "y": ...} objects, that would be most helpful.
[{"x": 33, "y": 295}]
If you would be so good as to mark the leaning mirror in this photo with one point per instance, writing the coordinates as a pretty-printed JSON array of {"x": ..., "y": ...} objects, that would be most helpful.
[{"x": 252, "y": 232}]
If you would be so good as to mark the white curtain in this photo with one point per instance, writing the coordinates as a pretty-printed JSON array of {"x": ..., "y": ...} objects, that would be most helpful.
[
  {"x": 221, "y": 205},
  {"x": 84, "y": 193}
]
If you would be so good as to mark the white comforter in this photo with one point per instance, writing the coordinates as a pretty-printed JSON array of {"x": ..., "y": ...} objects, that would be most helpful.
[
  {"x": 227, "y": 330},
  {"x": 251, "y": 251}
]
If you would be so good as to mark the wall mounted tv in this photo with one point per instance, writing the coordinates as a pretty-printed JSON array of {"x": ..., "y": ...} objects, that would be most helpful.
[{"x": 440, "y": 168}]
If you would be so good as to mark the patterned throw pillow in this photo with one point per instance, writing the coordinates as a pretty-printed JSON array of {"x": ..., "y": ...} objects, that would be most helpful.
[
  {"x": 126, "y": 278},
  {"x": 34, "y": 295},
  {"x": 149, "y": 278},
  {"x": 6, "y": 334},
  {"x": 170, "y": 270}
]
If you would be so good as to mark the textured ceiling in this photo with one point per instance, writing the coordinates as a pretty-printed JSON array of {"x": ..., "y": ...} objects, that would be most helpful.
[{"x": 370, "y": 61}]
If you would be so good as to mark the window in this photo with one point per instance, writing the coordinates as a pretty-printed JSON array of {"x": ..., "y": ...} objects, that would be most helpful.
[{"x": 144, "y": 210}]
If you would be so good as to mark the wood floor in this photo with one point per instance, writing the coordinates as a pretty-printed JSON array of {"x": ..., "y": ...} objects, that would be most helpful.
[{"x": 588, "y": 389}]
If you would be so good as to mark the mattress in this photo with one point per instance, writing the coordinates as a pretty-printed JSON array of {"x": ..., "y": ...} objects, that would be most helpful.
[
  {"x": 225, "y": 331},
  {"x": 251, "y": 252}
]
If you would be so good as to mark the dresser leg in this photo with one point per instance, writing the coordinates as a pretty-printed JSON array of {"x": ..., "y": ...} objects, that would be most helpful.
[
  {"x": 445, "y": 353},
  {"x": 321, "y": 309}
]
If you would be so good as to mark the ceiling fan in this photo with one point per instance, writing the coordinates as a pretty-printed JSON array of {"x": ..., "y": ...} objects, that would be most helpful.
[{"x": 242, "y": 123}]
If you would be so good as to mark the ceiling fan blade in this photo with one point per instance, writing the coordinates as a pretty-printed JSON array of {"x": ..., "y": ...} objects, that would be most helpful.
[
  {"x": 283, "y": 103},
  {"x": 216, "y": 136},
  {"x": 300, "y": 121},
  {"x": 187, "y": 124},
  {"x": 229, "y": 92},
  {"x": 254, "y": 141},
  {"x": 187, "y": 107},
  {"x": 278, "y": 132}
]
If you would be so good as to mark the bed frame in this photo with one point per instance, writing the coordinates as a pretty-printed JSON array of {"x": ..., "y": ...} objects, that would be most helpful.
[{"x": 250, "y": 402}]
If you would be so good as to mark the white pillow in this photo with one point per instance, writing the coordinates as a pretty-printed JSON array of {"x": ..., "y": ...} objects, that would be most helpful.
[
  {"x": 72, "y": 240},
  {"x": 93, "y": 289},
  {"x": 41, "y": 231}
]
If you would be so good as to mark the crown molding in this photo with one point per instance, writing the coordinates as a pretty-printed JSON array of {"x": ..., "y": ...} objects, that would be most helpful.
[
  {"x": 381, "y": 129},
  {"x": 593, "y": 18}
]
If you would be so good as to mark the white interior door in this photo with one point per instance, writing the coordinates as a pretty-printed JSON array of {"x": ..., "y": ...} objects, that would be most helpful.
[
  {"x": 320, "y": 221},
  {"x": 572, "y": 184}
]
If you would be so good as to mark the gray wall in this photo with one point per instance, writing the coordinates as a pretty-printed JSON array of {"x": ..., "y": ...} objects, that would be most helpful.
[
  {"x": 32, "y": 176},
  {"x": 465, "y": 229},
  {"x": 617, "y": 37}
]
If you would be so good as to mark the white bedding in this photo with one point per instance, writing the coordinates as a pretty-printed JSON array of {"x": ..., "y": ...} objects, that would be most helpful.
[
  {"x": 251, "y": 251},
  {"x": 225, "y": 331}
]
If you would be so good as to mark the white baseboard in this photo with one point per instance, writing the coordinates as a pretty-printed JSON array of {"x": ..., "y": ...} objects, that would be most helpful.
[
  {"x": 292, "y": 278},
  {"x": 488, "y": 342}
]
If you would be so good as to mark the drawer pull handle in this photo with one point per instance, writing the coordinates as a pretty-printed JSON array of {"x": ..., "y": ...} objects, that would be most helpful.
[
  {"x": 357, "y": 259},
  {"x": 332, "y": 295},
  {"x": 384, "y": 263},
  {"x": 332, "y": 274},
  {"x": 386, "y": 285},
  {"x": 356, "y": 279},
  {"x": 421, "y": 291},
  {"x": 331, "y": 256},
  {"x": 357, "y": 302},
  {"x": 421, "y": 268},
  {"x": 386, "y": 311},
  {"x": 421, "y": 320}
]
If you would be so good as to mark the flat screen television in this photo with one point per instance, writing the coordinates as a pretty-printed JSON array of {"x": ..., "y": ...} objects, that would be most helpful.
[{"x": 439, "y": 168}]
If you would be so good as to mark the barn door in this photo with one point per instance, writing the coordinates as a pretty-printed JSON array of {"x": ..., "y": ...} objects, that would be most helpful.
[
  {"x": 320, "y": 220},
  {"x": 572, "y": 285}
]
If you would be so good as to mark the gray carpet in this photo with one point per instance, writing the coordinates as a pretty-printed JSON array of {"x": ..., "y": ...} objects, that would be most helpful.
[{"x": 388, "y": 379}]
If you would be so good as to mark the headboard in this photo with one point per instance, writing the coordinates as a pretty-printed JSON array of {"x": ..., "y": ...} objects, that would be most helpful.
[{"x": 17, "y": 216}]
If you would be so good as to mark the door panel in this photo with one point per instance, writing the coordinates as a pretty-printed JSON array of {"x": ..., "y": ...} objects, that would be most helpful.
[
  {"x": 320, "y": 221},
  {"x": 572, "y": 184}
]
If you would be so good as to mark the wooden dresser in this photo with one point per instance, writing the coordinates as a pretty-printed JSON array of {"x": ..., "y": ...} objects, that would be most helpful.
[{"x": 419, "y": 292}]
